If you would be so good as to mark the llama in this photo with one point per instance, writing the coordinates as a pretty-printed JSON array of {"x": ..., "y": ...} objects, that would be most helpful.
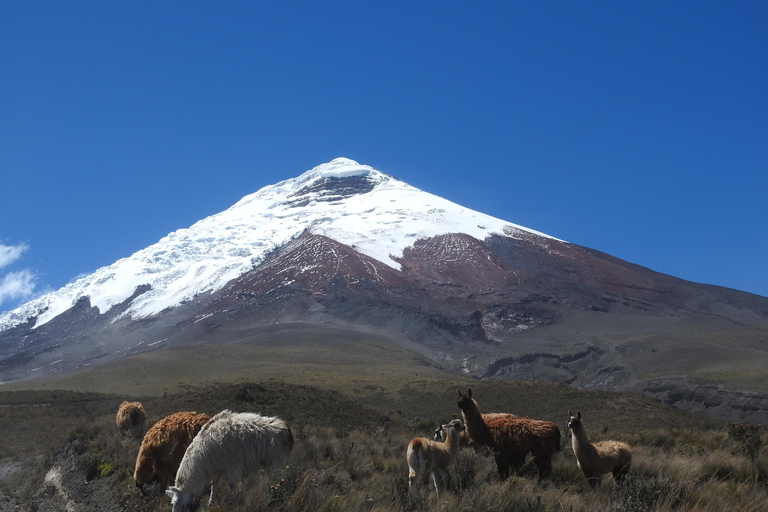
[
  {"x": 596, "y": 459},
  {"x": 439, "y": 434},
  {"x": 130, "y": 418},
  {"x": 231, "y": 446},
  {"x": 163, "y": 448},
  {"x": 434, "y": 456},
  {"x": 510, "y": 438}
]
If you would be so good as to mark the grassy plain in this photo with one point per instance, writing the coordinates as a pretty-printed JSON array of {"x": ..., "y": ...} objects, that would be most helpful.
[{"x": 353, "y": 407}]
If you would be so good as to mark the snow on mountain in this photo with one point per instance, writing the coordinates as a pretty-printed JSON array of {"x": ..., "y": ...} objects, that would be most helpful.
[{"x": 354, "y": 204}]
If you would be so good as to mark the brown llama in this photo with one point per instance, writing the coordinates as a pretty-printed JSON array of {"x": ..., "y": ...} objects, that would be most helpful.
[
  {"x": 434, "y": 456},
  {"x": 130, "y": 418},
  {"x": 510, "y": 438},
  {"x": 596, "y": 459},
  {"x": 163, "y": 448}
]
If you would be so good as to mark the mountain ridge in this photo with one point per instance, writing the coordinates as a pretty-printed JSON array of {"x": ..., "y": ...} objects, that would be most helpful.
[{"x": 346, "y": 245}]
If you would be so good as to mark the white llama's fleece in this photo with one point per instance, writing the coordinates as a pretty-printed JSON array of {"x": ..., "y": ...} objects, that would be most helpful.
[{"x": 230, "y": 446}]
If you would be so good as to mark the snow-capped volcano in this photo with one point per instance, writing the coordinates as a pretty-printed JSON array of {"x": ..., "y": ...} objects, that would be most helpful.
[
  {"x": 356, "y": 205},
  {"x": 344, "y": 247}
]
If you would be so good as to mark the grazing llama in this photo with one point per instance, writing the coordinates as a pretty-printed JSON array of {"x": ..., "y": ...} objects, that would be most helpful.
[
  {"x": 434, "y": 456},
  {"x": 231, "y": 446},
  {"x": 596, "y": 459},
  {"x": 510, "y": 438},
  {"x": 130, "y": 418},
  {"x": 163, "y": 448}
]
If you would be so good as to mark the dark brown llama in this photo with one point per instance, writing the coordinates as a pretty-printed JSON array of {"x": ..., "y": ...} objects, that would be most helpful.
[{"x": 510, "y": 438}]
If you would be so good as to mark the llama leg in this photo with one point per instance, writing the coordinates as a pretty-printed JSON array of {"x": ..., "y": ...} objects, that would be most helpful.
[
  {"x": 518, "y": 461},
  {"x": 545, "y": 467},
  {"x": 594, "y": 481},
  {"x": 437, "y": 479},
  {"x": 415, "y": 463},
  {"x": 442, "y": 479},
  {"x": 214, "y": 492},
  {"x": 502, "y": 466},
  {"x": 620, "y": 474}
]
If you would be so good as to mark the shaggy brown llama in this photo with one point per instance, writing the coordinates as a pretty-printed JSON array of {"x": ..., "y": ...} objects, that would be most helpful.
[
  {"x": 434, "y": 456},
  {"x": 163, "y": 448},
  {"x": 510, "y": 438},
  {"x": 130, "y": 418},
  {"x": 596, "y": 459}
]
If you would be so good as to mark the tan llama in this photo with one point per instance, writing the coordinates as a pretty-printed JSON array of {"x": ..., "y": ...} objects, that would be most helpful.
[
  {"x": 596, "y": 459},
  {"x": 434, "y": 456}
]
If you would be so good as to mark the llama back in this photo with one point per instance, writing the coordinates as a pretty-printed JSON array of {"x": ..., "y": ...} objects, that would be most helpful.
[
  {"x": 508, "y": 428},
  {"x": 510, "y": 431},
  {"x": 164, "y": 445},
  {"x": 617, "y": 454},
  {"x": 130, "y": 417},
  {"x": 234, "y": 446},
  {"x": 546, "y": 435}
]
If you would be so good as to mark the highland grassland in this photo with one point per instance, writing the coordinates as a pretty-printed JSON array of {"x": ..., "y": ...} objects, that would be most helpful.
[{"x": 352, "y": 411}]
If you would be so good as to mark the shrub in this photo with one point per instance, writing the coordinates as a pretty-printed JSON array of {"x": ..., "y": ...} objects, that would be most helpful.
[
  {"x": 647, "y": 494},
  {"x": 283, "y": 485},
  {"x": 88, "y": 464},
  {"x": 748, "y": 436},
  {"x": 464, "y": 471}
]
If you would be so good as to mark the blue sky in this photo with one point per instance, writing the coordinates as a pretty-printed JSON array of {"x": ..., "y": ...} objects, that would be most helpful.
[{"x": 636, "y": 128}]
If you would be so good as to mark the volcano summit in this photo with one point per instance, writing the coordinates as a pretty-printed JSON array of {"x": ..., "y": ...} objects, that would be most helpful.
[{"x": 356, "y": 205}]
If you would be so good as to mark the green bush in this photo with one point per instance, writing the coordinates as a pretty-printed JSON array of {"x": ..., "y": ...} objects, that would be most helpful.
[
  {"x": 88, "y": 464},
  {"x": 647, "y": 494},
  {"x": 748, "y": 436}
]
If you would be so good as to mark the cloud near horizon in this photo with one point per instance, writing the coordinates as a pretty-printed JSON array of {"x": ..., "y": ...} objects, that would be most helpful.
[
  {"x": 16, "y": 285},
  {"x": 11, "y": 253}
]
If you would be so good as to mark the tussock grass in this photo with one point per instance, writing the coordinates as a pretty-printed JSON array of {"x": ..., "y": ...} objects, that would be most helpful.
[{"x": 350, "y": 456}]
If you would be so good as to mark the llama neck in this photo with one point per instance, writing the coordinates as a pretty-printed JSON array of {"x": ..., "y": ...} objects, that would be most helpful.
[
  {"x": 473, "y": 420},
  {"x": 452, "y": 440},
  {"x": 476, "y": 427},
  {"x": 579, "y": 440},
  {"x": 452, "y": 445},
  {"x": 195, "y": 475}
]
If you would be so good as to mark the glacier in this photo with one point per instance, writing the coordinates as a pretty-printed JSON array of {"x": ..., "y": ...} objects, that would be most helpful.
[{"x": 357, "y": 205}]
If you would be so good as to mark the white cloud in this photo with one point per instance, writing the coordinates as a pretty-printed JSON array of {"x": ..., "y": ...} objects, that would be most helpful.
[
  {"x": 10, "y": 253},
  {"x": 17, "y": 285}
]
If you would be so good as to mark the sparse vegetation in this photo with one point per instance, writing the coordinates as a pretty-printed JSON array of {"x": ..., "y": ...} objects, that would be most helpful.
[{"x": 350, "y": 455}]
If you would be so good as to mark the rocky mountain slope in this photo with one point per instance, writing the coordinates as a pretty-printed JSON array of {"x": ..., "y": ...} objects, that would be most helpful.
[{"x": 344, "y": 244}]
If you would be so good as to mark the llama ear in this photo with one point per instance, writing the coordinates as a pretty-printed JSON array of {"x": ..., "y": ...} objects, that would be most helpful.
[
  {"x": 579, "y": 414},
  {"x": 570, "y": 413},
  {"x": 459, "y": 391},
  {"x": 469, "y": 393}
]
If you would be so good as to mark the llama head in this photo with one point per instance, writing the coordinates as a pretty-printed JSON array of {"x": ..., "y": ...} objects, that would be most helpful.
[
  {"x": 465, "y": 401},
  {"x": 144, "y": 472},
  {"x": 456, "y": 425},
  {"x": 439, "y": 434},
  {"x": 453, "y": 430},
  {"x": 574, "y": 422},
  {"x": 180, "y": 501}
]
